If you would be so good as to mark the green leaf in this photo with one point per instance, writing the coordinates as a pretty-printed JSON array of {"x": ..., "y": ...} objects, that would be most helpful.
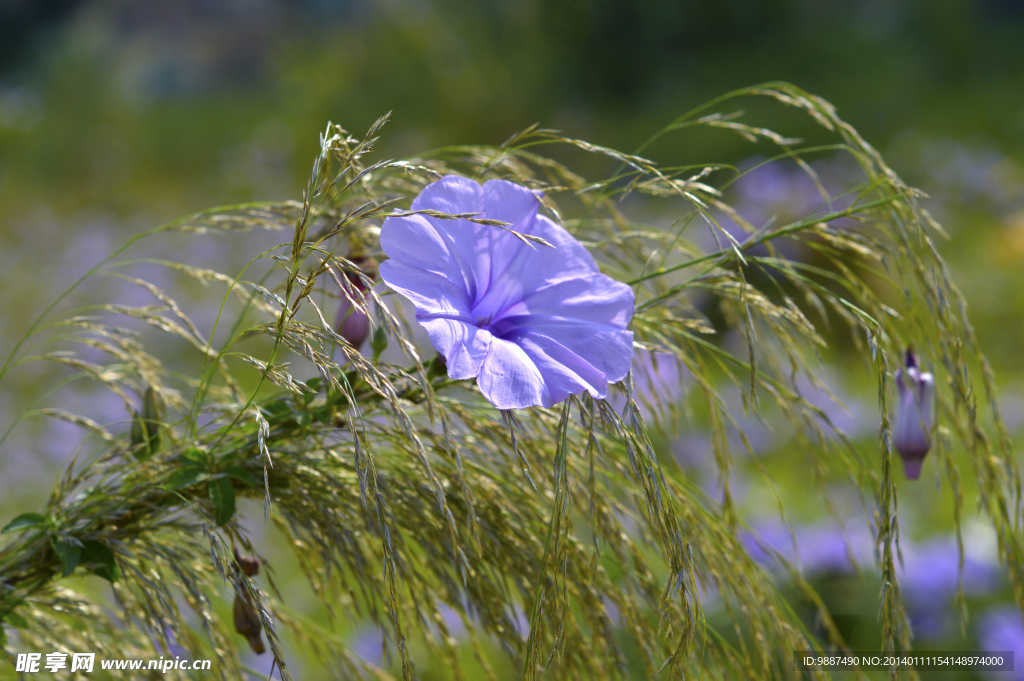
[
  {"x": 94, "y": 551},
  {"x": 322, "y": 414},
  {"x": 23, "y": 522},
  {"x": 70, "y": 553},
  {"x": 436, "y": 367},
  {"x": 3, "y": 638},
  {"x": 277, "y": 411},
  {"x": 316, "y": 383},
  {"x": 222, "y": 494},
  {"x": 186, "y": 477},
  {"x": 239, "y": 473},
  {"x": 197, "y": 458},
  {"x": 15, "y": 620}
]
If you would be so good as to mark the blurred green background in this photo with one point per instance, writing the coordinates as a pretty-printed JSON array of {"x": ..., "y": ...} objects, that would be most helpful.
[{"x": 117, "y": 116}]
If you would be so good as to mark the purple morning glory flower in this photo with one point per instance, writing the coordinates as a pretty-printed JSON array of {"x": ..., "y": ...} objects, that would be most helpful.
[
  {"x": 533, "y": 325},
  {"x": 914, "y": 416}
]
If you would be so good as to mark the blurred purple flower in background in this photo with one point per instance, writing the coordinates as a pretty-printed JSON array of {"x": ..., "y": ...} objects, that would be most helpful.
[
  {"x": 931, "y": 572},
  {"x": 819, "y": 548},
  {"x": 1002, "y": 629},
  {"x": 962, "y": 172},
  {"x": 843, "y": 410},
  {"x": 533, "y": 325},
  {"x": 930, "y": 575},
  {"x": 912, "y": 430},
  {"x": 659, "y": 380},
  {"x": 658, "y": 377},
  {"x": 765, "y": 190},
  {"x": 775, "y": 193}
]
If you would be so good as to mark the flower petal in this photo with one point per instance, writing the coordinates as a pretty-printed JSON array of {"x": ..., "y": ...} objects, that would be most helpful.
[
  {"x": 593, "y": 298},
  {"x": 454, "y": 194},
  {"x": 510, "y": 380},
  {"x": 925, "y": 385},
  {"x": 606, "y": 348},
  {"x": 463, "y": 345},
  {"x": 430, "y": 292},
  {"x": 568, "y": 258},
  {"x": 484, "y": 249},
  {"x": 565, "y": 373},
  {"x": 510, "y": 202},
  {"x": 414, "y": 240},
  {"x": 451, "y": 194},
  {"x": 530, "y": 269}
]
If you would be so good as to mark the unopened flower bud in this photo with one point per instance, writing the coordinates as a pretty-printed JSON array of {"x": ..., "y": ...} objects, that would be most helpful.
[
  {"x": 138, "y": 435},
  {"x": 152, "y": 416},
  {"x": 914, "y": 415},
  {"x": 351, "y": 324},
  {"x": 247, "y": 619},
  {"x": 247, "y": 623},
  {"x": 145, "y": 432},
  {"x": 247, "y": 564}
]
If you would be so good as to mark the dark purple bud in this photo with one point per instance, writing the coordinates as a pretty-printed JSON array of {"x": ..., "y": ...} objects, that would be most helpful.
[
  {"x": 351, "y": 324},
  {"x": 914, "y": 416}
]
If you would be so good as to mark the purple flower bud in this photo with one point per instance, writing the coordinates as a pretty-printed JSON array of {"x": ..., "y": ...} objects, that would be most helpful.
[
  {"x": 914, "y": 416},
  {"x": 352, "y": 325}
]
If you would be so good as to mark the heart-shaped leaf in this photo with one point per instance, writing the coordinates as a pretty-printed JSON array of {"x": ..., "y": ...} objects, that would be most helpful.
[
  {"x": 102, "y": 558},
  {"x": 23, "y": 522},
  {"x": 239, "y": 473},
  {"x": 15, "y": 620},
  {"x": 70, "y": 553},
  {"x": 186, "y": 477}
]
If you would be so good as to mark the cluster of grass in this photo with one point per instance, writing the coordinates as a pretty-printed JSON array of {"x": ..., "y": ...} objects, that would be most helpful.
[{"x": 404, "y": 495}]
